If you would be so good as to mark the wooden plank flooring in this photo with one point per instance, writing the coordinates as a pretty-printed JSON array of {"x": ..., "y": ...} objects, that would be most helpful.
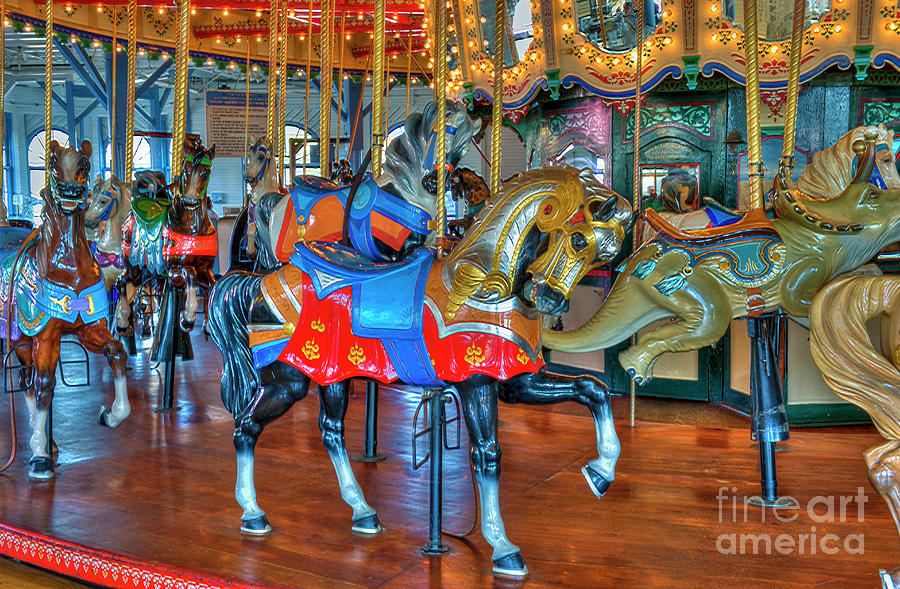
[{"x": 161, "y": 488}]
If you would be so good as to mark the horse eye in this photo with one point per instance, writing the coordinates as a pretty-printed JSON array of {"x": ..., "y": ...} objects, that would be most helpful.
[{"x": 579, "y": 242}]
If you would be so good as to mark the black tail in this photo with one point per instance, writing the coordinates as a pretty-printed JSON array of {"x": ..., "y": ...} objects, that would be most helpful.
[{"x": 229, "y": 317}]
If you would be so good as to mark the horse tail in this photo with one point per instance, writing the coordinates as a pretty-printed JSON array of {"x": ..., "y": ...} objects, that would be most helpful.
[
  {"x": 229, "y": 317},
  {"x": 842, "y": 347}
]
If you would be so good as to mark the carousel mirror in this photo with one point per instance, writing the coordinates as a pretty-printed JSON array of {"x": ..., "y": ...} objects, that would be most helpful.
[
  {"x": 519, "y": 29},
  {"x": 612, "y": 24},
  {"x": 775, "y": 16}
]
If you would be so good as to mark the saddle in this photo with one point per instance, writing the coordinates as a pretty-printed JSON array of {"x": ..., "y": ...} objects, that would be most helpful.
[
  {"x": 388, "y": 300},
  {"x": 753, "y": 224},
  {"x": 317, "y": 185}
]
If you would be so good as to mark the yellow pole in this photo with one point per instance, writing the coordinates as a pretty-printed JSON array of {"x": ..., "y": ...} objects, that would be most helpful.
[
  {"x": 793, "y": 88},
  {"x": 308, "y": 76},
  {"x": 112, "y": 106},
  {"x": 440, "y": 91},
  {"x": 387, "y": 98},
  {"x": 132, "y": 73},
  {"x": 179, "y": 124},
  {"x": 497, "y": 107},
  {"x": 271, "y": 112},
  {"x": 409, "y": 60},
  {"x": 282, "y": 88},
  {"x": 48, "y": 89},
  {"x": 343, "y": 43},
  {"x": 378, "y": 87},
  {"x": 636, "y": 162},
  {"x": 754, "y": 142},
  {"x": 247, "y": 103},
  {"x": 326, "y": 70}
]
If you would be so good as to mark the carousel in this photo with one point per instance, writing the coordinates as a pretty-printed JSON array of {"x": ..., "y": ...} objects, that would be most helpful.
[{"x": 651, "y": 246}]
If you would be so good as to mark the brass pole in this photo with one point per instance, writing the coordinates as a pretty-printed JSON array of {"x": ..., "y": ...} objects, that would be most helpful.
[
  {"x": 497, "y": 106},
  {"x": 247, "y": 104},
  {"x": 282, "y": 89},
  {"x": 271, "y": 112},
  {"x": 636, "y": 162},
  {"x": 409, "y": 60},
  {"x": 754, "y": 142},
  {"x": 378, "y": 87},
  {"x": 387, "y": 98},
  {"x": 793, "y": 88},
  {"x": 132, "y": 73},
  {"x": 179, "y": 124},
  {"x": 308, "y": 76},
  {"x": 343, "y": 43},
  {"x": 112, "y": 106},
  {"x": 440, "y": 91},
  {"x": 48, "y": 90},
  {"x": 325, "y": 81}
]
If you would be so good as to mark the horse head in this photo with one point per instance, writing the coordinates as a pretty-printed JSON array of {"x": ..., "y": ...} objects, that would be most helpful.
[
  {"x": 679, "y": 191},
  {"x": 410, "y": 160},
  {"x": 191, "y": 197},
  {"x": 110, "y": 205},
  {"x": 469, "y": 186},
  {"x": 260, "y": 171},
  {"x": 537, "y": 239},
  {"x": 153, "y": 185},
  {"x": 69, "y": 171}
]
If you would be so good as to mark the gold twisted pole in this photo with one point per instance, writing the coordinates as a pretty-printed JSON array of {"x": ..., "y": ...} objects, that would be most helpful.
[
  {"x": 793, "y": 87},
  {"x": 636, "y": 164},
  {"x": 497, "y": 107},
  {"x": 751, "y": 57},
  {"x": 3, "y": 212},
  {"x": 282, "y": 88},
  {"x": 378, "y": 87},
  {"x": 271, "y": 106},
  {"x": 132, "y": 73},
  {"x": 247, "y": 104},
  {"x": 112, "y": 107},
  {"x": 179, "y": 124},
  {"x": 440, "y": 91},
  {"x": 409, "y": 61},
  {"x": 48, "y": 88},
  {"x": 326, "y": 71},
  {"x": 387, "y": 99},
  {"x": 342, "y": 42},
  {"x": 309, "y": 44}
]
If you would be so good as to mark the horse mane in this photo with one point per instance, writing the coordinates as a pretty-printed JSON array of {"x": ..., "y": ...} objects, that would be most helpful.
[
  {"x": 843, "y": 350},
  {"x": 831, "y": 169},
  {"x": 404, "y": 155}
]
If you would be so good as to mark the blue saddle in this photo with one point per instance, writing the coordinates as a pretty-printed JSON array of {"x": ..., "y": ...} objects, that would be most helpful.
[
  {"x": 388, "y": 300},
  {"x": 369, "y": 198}
]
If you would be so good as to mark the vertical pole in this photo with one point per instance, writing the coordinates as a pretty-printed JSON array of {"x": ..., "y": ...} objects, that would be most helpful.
[
  {"x": 113, "y": 103},
  {"x": 378, "y": 87},
  {"x": 340, "y": 109},
  {"x": 308, "y": 76},
  {"x": 3, "y": 145},
  {"x": 435, "y": 545},
  {"x": 440, "y": 95},
  {"x": 793, "y": 89},
  {"x": 326, "y": 70},
  {"x": 179, "y": 125},
  {"x": 48, "y": 88},
  {"x": 409, "y": 60},
  {"x": 387, "y": 99},
  {"x": 497, "y": 106},
  {"x": 636, "y": 164},
  {"x": 132, "y": 73},
  {"x": 751, "y": 58},
  {"x": 370, "y": 448},
  {"x": 282, "y": 88},
  {"x": 247, "y": 114},
  {"x": 271, "y": 105}
]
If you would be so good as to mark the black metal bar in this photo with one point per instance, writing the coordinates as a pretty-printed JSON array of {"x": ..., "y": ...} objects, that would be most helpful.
[
  {"x": 435, "y": 545},
  {"x": 370, "y": 449}
]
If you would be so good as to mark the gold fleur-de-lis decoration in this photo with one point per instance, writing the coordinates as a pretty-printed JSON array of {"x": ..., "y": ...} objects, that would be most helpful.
[
  {"x": 356, "y": 355},
  {"x": 522, "y": 356},
  {"x": 474, "y": 355},
  {"x": 311, "y": 350},
  {"x": 318, "y": 326}
]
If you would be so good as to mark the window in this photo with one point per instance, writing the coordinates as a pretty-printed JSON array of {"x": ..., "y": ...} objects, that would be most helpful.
[
  {"x": 141, "y": 161},
  {"x": 309, "y": 150}
]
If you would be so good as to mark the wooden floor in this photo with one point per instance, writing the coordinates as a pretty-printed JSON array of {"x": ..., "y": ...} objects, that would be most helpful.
[{"x": 160, "y": 488}]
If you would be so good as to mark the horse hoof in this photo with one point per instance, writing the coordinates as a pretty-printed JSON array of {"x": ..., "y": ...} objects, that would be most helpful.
[
  {"x": 596, "y": 481},
  {"x": 103, "y": 418},
  {"x": 185, "y": 324},
  {"x": 41, "y": 469},
  {"x": 258, "y": 526},
  {"x": 511, "y": 565},
  {"x": 367, "y": 525}
]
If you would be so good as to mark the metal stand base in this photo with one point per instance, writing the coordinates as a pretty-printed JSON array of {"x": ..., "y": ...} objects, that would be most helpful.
[
  {"x": 435, "y": 546},
  {"x": 370, "y": 452},
  {"x": 169, "y": 346}
]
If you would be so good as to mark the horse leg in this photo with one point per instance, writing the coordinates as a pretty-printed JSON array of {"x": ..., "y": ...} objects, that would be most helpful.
[
  {"x": 479, "y": 402},
  {"x": 545, "y": 388},
  {"x": 97, "y": 339},
  {"x": 39, "y": 399},
  {"x": 123, "y": 302},
  {"x": 333, "y": 407},
  {"x": 703, "y": 317},
  {"x": 189, "y": 314}
]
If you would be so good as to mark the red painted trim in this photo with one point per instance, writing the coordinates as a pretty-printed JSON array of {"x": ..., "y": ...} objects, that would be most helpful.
[{"x": 103, "y": 568}]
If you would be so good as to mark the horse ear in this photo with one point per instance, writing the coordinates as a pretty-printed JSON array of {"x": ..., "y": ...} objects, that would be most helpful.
[
  {"x": 212, "y": 151},
  {"x": 54, "y": 145},
  {"x": 86, "y": 148}
]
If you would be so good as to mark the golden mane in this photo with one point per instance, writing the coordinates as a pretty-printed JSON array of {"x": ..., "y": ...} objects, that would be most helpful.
[{"x": 831, "y": 169}]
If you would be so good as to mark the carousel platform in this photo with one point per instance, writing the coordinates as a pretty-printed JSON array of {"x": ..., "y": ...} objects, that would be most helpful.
[{"x": 151, "y": 504}]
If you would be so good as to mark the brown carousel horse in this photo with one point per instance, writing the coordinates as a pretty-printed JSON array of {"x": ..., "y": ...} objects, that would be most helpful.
[
  {"x": 55, "y": 287},
  {"x": 173, "y": 238}
]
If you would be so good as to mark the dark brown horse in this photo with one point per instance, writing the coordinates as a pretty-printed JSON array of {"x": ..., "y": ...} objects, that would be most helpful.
[
  {"x": 173, "y": 238},
  {"x": 57, "y": 288}
]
